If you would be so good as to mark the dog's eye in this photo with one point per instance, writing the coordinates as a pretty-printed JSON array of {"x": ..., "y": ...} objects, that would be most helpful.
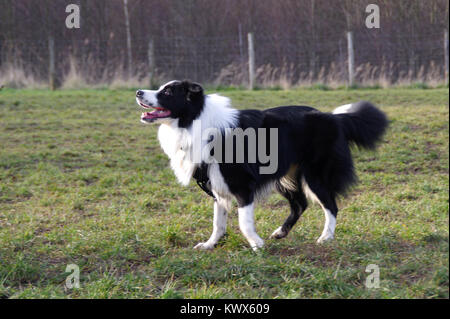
[{"x": 167, "y": 92}]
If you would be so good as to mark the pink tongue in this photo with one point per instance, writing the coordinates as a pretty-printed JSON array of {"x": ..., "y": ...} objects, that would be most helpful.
[{"x": 156, "y": 114}]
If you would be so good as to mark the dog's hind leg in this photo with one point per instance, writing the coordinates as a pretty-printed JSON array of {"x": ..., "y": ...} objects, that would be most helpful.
[
  {"x": 329, "y": 227},
  {"x": 298, "y": 204},
  {"x": 247, "y": 225},
  {"x": 324, "y": 197},
  {"x": 221, "y": 208}
]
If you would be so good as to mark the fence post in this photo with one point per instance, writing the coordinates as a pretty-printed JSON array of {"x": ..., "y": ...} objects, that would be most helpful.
[
  {"x": 241, "y": 45},
  {"x": 151, "y": 63},
  {"x": 51, "y": 66},
  {"x": 446, "y": 56},
  {"x": 251, "y": 62},
  {"x": 351, "y": 59},
  {"x": 128, "y": 33}
]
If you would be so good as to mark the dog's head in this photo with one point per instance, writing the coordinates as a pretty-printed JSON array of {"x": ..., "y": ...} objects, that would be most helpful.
[{"x": 176, "y": 100}]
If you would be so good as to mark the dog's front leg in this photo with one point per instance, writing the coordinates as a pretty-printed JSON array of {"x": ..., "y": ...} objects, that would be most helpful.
[
  {"x": 247, "y": 226},
  {"x": 221, "y": 207}
]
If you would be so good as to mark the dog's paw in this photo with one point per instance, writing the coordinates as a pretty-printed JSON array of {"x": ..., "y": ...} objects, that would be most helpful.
[
  {"x": 278, "y": 233},
  {"x": 204, "y": 246},
  {"x": 325, "y": 238},
  {"x": 257, "y": 244}
]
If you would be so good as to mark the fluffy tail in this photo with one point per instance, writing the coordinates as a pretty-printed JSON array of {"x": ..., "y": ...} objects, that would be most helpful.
[{"x": 363, "y": 123}]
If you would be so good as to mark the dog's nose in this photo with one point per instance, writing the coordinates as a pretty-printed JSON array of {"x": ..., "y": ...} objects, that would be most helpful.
[{"x": 139, "y": 93}]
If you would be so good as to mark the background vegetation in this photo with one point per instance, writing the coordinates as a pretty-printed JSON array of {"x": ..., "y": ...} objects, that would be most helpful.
[{"x": 297, "y": 42}]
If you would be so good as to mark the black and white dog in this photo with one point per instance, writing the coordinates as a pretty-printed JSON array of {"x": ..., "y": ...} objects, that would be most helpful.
[{"x": 312, "y": 152}]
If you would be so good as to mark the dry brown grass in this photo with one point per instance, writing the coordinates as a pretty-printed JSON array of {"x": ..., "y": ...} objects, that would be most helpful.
[
  {"x": 15, "y": 75},
  {"x": 84, "y": 74},
  {"x": 334, "y": 76}
]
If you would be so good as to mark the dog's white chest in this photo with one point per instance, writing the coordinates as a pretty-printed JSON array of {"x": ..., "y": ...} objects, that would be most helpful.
[{"x": 177, "y": 143}]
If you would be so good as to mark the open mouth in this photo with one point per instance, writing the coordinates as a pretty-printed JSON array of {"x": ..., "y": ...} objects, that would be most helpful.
[{"x": 158, "y": 113}]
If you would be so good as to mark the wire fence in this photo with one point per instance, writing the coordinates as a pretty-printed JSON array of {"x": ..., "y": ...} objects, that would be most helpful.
[{"x": 224, "y": 60}]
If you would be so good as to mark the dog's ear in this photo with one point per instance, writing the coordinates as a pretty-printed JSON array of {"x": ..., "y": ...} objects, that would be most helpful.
[{"x": 193, "y": 90}]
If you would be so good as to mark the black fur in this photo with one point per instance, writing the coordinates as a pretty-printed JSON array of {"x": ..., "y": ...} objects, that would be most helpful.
[
  {"x": 316, "y": 143},
  {"x": 364, "y": 126},
  {"x": 297, "y": 202},
  {"x": 184, "y": 99}
]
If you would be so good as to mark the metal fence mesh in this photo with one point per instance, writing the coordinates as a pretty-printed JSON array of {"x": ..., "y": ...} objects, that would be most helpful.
[{"x": 224, "y": 60}]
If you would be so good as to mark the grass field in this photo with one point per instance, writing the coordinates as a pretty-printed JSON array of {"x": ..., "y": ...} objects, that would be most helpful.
[{"x": 83, "y": 182}]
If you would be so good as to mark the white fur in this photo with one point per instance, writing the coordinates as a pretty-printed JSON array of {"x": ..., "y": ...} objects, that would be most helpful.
[
  {"x": 149, "y": 98},
  {"x": 329, "y": 227},
  {"x": 288, "y": 181},
  {"x": 247, "y": 226},
  {"x": 278, "y": 233},
  {"x": 343, "y": 109},
  {"x": 218, "y": 113},
  {"x": 221, "y": 208},
  {"x": 166, "y": 84},
  {"x": 309, "y": 193},
  {"x": 330, "y": 220},
  {"x": 218, "y": 185},
  {"x": 178, "y": 143},
  {"x": 264, "y": 191}
]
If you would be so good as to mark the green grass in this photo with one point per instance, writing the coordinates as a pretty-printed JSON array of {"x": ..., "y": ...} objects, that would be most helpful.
[{"x": 83, "y": 182}]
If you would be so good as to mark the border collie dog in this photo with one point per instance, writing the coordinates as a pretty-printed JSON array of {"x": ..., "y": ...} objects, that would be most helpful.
[{"x": 312, "y": 153}]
